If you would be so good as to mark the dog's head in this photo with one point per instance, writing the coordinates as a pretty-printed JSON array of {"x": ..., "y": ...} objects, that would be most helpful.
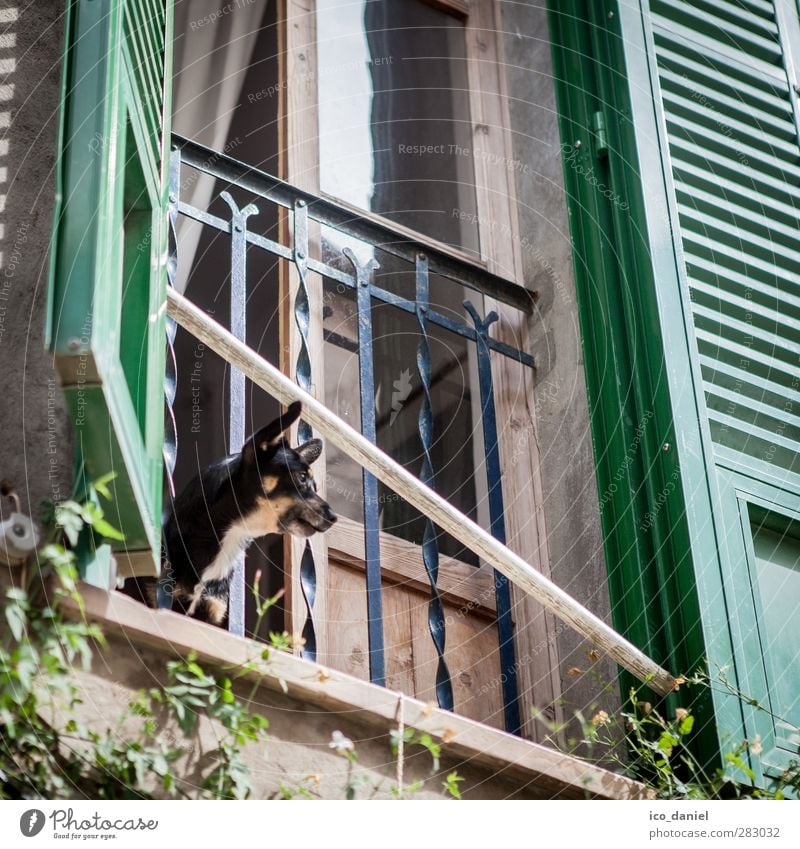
[{"x": 288, "y": 490}]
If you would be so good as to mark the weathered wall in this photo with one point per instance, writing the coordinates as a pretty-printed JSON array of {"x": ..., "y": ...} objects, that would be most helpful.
[
  {"x": 568, "y": 476},
  {"x": 36, "y": 451}
]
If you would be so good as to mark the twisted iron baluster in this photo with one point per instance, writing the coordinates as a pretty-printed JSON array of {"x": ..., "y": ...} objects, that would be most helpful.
[
  {"x": 170, "y": 451},
  {"x": 430, "y": 547},
  {"x": 236, "y": 387},
  {"x": 505, "y": 625},
  {"x": 302, "y": 317},
  {"x": 372, "y": 549}
]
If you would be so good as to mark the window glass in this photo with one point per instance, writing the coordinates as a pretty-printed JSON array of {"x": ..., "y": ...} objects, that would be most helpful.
[{"x": 395, "y": 134}]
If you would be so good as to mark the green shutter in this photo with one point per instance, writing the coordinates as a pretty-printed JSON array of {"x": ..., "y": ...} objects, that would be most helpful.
[
  {"x": 699, "y": 271},
  {"x": 727, "y": 87},
  {"x": 736, "y": 167},
  {"x": 105, "y": 317}
]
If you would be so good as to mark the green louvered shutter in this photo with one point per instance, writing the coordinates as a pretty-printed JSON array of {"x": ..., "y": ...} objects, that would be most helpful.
[
  {"x": 108, "y": 269},
  {"x": 725, "y": 70},
  {"x": 736, "y": 166}
]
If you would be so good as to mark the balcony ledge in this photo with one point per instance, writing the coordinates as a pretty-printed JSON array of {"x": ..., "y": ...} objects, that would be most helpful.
[{"x": 534, "y": 770}]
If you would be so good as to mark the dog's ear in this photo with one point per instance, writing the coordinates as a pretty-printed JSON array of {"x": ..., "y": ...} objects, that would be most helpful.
[
  {"x": 273, "y": 434},
  {"x": 310, "y": 451}
]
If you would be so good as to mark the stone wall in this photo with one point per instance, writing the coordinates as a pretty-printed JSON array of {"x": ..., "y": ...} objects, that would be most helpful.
[{"x": 36, "y": 449}]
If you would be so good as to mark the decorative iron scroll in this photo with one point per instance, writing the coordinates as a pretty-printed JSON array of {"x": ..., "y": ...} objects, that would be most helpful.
[
  {"x": 302, "y": 317},
  {"x": 430, "y": 545},
  {"x": 170, "y": 450}
]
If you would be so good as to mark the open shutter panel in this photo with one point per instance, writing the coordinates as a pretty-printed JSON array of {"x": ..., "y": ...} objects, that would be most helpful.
[
  {"x": 733, "y": 144},
  {"x": 725, "y": 71},
  {"x": 107, "y": 288}
]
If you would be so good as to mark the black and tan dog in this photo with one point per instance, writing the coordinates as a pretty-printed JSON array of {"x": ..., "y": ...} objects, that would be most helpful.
[{"x": 268, "y": 488}]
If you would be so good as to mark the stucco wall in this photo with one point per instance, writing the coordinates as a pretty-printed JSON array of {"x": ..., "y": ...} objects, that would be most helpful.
[
  {"x": 35, "y": 451},
  {"x": 570, "y": 492}
]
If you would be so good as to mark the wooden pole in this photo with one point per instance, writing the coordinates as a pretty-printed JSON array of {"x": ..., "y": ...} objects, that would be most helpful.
[{"x": 443, "y": 514}]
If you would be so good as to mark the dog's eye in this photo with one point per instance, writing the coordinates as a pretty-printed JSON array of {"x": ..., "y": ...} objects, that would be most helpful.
[{"x": 302, "y": 478}]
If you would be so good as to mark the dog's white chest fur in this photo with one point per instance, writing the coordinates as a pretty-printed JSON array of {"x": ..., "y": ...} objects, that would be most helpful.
[
  {"x": 235, "y": 541},
  {"x": 233, "y": 544}
]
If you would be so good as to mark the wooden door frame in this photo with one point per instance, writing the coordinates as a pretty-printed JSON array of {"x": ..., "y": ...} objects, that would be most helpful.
[{"x": 535, "y": 632}]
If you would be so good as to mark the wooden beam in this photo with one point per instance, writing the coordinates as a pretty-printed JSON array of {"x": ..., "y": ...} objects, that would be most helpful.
[{"x": 428, "y": 502}]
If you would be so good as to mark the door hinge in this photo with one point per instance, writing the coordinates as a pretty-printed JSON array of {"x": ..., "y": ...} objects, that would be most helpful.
[{"x": 600, "y": 135}]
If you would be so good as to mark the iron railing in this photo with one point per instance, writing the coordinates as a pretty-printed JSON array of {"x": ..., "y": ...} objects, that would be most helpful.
[{"x": 303, "y": 208}]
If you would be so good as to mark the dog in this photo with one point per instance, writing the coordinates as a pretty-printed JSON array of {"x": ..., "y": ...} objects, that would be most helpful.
[{"x": 268, "y": 488}]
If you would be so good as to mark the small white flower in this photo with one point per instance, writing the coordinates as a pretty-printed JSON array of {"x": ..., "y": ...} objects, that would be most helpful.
[{"x": 341, "y": 743}]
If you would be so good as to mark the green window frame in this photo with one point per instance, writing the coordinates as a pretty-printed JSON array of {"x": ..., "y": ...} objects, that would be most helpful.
[{"x": 106, "y": 305}]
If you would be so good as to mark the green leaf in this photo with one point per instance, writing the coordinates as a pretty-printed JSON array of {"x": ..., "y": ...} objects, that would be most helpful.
[
  {"x": 101, "y": 487},
  {"x": 451, "y": 783},
  {"x": 107, "y": 530},
  {"x": 16, "y": 618}
]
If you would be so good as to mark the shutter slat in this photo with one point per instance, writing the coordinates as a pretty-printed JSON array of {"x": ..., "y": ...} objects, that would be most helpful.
[
  {"x": 756, "y": 155},
  {"x": 701, "y": 270},
  {"x": 747, "y": 333},
  {"x": 752, "y": 35},
  {"x": 753, "y": 410},
  {"x": 698, "y": 246},
  {"x": 767, "y": 68},
  {"x": 729, "y": 191},
  {"x": 719, "y": 74},
  {"x": 732, "y": 353},
  {"x": 722, "y": 107},
  {"x": 766, "y": 391},
  {"x": 685, "y": 151},
  {"x": 752, "y": 433},
  {"x": 725, "y": 236},
  {"x": 744, "y": 309},
  {"x": 726, "y": 211}
]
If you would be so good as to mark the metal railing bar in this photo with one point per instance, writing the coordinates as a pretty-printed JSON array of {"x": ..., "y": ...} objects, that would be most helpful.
[
  {"x": 505, "y": 625},
  {"x": 346, "y": 279},
  {"x": 369, "y": 483},
  {"x": 328, "y": 212},
  {"x": 224, "y": 226},
  {"x": 399, "y": 480},
  {"x": 236, "y": 383}
]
